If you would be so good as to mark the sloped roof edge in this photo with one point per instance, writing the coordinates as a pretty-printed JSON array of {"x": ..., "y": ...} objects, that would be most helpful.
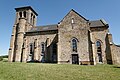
[
  {"x": 98, "y": 23},
  {"x": 76, "y": 13},
  {"x": 27, "y": 7}
]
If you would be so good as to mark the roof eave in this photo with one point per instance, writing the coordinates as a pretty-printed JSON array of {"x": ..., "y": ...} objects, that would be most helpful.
[{"x": 27, "y": 7}]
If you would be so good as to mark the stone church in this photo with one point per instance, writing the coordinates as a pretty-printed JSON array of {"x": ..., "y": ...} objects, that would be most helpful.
[{"x": 74, "y": 40}]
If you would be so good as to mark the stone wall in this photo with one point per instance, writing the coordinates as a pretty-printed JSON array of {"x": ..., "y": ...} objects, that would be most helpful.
[
  {"x": 99, "y": 34},
  {"x": 115, "y": 50},
  {"x": 72, "y": 26},
  {"x": 47, "y": 38},
  {"x": 68, "y": 30}
]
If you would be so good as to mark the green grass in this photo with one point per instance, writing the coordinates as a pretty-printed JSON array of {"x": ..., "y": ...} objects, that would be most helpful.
[{"x": 37, "y": 71}]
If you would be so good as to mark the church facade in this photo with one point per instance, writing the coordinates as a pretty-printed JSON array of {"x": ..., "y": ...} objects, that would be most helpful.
[{"x": 74, "y": 40}]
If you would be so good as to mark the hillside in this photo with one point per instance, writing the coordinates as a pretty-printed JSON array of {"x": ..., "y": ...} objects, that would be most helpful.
[{"x": 37, "y": 71}]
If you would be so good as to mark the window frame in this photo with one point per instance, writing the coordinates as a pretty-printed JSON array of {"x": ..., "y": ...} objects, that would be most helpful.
[
  {"x": 74, "y": 43},
  {"x": 99, "y": 50}
]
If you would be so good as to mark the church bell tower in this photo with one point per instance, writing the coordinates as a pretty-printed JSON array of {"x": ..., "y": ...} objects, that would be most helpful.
[{"x": 25, "y": 20}]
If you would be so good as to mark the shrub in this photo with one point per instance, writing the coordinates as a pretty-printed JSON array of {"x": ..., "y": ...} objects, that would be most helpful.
[
  {"x": 1, "y": 58},
  {"x": 5, "y": 56}
]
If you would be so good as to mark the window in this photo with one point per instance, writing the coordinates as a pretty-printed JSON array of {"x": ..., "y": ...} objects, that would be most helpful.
[
  {"x": 74, "y": 45},
  {"x": 98, "y": 44},
  {"x": 34, "y": 17},
  {"x": 72, "y": 21},
  {"x": 43, "y": 47},
  {"x": 31, "y": 48},
  {"x": 31, "y": 55},
  {"x": 31, "y": 18},
  {"x": 99, "y": 52},
  {"x": 20, "y": 14},
  {"x": 35, "y": 43},
  {"x": 24, "y": 14}
]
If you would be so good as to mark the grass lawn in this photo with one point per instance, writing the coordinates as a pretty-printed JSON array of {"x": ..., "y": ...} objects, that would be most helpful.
[{"x": 38, "y": 71}]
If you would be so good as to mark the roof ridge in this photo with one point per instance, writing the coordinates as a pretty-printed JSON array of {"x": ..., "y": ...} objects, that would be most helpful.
[
  {"x": 47, "y": 25},
  {"x": 94, "y": 20}
]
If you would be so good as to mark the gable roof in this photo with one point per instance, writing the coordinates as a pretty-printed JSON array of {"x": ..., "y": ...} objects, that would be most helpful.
[
  {"x": 98, "y": 23},
  {"x": 93, "y": 24},
  {"x": 78, "y": 14},
  {"x": 72, "y": 10}
]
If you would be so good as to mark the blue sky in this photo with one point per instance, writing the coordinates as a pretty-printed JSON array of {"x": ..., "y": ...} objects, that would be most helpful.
[{"x": 52, "y": 11}]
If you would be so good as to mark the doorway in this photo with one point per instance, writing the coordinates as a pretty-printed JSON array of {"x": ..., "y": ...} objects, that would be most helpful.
[{"x": 75, "y": 59}]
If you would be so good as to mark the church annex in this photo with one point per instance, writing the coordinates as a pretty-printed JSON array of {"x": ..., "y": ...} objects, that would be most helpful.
[{"x": 74, "y": 40}]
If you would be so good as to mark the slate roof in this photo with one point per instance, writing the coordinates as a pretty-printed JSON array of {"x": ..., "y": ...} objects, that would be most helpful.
[
  {"x": 93, "y": 24},
  {"x": 44, "y": 28},
  {"x": 98, "y": 23},
  {"x": 26, "y": 7}
]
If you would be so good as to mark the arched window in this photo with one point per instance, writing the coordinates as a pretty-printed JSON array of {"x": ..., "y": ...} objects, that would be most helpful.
[
  {"x": 74, "y": 45},
  {"x": 31, "y": 55},
  {"x": 98, "y": 44},
  {"x": 42, "y": 52},
  {"x": 99, "y": 51},
  {"x": 31, "y": 48},
  {"x": 42, "y": 47},
  {"x": 35, "y": 43},
  {"x": 24, "y": 14},
  {"x": 20, "y": 14}
]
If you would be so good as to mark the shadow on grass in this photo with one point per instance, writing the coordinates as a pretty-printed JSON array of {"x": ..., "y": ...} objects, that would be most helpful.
[{"x": 116, "y": 66}]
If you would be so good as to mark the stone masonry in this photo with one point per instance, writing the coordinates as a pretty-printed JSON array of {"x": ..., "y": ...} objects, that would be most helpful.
[{"x": 74, "y": 40}]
